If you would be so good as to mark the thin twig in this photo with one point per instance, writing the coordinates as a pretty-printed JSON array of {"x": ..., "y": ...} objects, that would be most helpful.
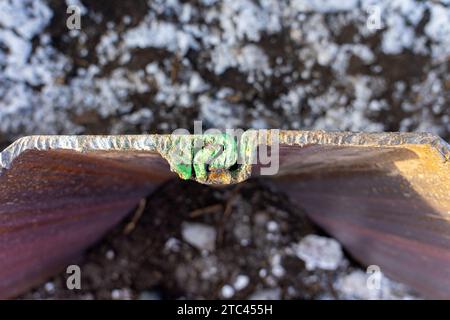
[
  {"x": 227, "y": 212},
  {"x": 231, "y": 200},
  {"x": 209, "y": 209},
  {"x": 137, "y": 215}
]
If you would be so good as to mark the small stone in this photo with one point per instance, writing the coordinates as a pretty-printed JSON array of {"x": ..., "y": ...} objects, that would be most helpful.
[
  {"x": 272, "y": 226},
  {"x": 227, "y": 291},
  {"x": 266, "y": 294},
  {"x": 241, "y": 282},
  {"x": 277, "y": 269},
  {"x": 262, "y": 273},
  {"x": 245, "y": 242},
  {"x": 201, "y": 236},
  {"x": 261, "y": 218},
  {"x": 121, "y": 294},
  {"x": 110, "y": 255},
  {"x": 150, "y": 295},
  {"x": 49, "y": 287},
  {"x": 172, "y": 244}
]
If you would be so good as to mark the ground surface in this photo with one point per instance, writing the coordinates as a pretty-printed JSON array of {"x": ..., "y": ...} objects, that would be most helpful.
[
  {"x": 154, "y": 66},
  {"x": 245, "y": 241}
]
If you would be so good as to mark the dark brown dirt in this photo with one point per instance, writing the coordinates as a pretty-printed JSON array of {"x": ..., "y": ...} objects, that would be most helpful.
[
  {"x": 142, "y": 263},
  {"x": 153, "y": 260}
]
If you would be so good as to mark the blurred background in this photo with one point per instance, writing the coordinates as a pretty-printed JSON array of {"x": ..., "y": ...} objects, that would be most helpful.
[{"x": 153, "y": 66}]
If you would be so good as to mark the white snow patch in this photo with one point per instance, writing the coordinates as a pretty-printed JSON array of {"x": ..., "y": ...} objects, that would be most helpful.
[
  {"x": 78, "y": 4},
  {"x": 277, "y": 269},
  {"x": 324, "y": 6},
  {"x": 398, "y": 36},
  {"x": 244, "y": 19},
  {"x": 106, "y": 49},
  {"x": 266, "y": 294},
  {"x": 220, "y": 113},
  {"x": 319, "y": 252},
  {"x": 159, "y": 34},
  {"x": 121, "y": 294},
  {"x": 355, "y": 286},
  {"x": 172, "y": 244},
  {"x": 26, "y": 17},
  {"x": 438, "y": 29}
]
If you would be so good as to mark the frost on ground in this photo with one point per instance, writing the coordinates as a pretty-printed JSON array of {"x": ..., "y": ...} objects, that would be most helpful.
[
  {"x": 157, "y": 65},
  {"x": 355, "y": 286},
  {"x": 319, "y": 252}
]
